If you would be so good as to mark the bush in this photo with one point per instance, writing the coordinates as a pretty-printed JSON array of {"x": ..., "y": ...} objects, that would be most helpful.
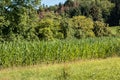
[
  {"x": 4, "y": 29},
  {"x": 82, "y": 27},
  {"x": 101, "y": 29},
  {"x": 64, "y": 27},
  {"x": 82, "y": 22},
  {"x": 44, "y": 29}
]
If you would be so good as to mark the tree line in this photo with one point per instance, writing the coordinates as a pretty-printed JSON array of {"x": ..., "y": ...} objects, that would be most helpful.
[
  {"x": 107, "y": 11},
  {"x": 23, "y": 19}
]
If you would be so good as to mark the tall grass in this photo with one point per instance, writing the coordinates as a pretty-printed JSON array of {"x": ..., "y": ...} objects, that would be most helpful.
[
  {"x": 107, "y": 69},
  {"x": 29, "y": 53}
]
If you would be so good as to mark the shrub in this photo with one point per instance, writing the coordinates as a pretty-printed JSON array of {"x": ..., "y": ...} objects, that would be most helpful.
[
  {"x": 101, "y": 29},
  {"x": 44, "y": 29},
  {"x": 64, "y": 27},
  {"x": 82, "y": 22},
  {"x": 4, "y": 29},
  {"x": 82, "y": 27}
]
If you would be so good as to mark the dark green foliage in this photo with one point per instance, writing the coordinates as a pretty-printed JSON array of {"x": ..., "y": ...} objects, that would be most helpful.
[
  {"x": 69, "y": 3},
  {"x": 4, "y": 29},
  {"x": 97, "y": 9},
  {"x": 114, "y": 19},
  {"x": 64, "y": 28},
  {"x": 44, "y": 29},
  {"x": 18, "y": 19},
  {"x": 101, "y": 29},
  {"x": 50, "y": 27},
  {"x": 96, "y": 13}
]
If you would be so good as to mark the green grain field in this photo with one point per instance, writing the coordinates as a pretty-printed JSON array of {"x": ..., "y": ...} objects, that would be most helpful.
[{"x": 23, "y": 53}]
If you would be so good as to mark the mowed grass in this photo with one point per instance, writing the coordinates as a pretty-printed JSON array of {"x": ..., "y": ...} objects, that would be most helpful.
[{"x": 99, "y": 69}]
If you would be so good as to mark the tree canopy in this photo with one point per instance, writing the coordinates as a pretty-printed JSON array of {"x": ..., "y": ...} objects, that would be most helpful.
[{"x": 29, "y": 20}]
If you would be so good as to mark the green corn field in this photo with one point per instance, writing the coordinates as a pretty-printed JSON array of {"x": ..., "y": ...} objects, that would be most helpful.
[{"x": 22, "y": 53}]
